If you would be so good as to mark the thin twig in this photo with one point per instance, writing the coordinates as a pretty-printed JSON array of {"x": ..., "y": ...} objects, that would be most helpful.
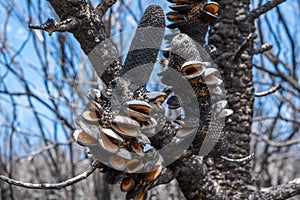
[
  {"x": 277, "y": 144},
  {"x": 54, "y": 186},
  {"x": 264, "y": 8},
  {"x": 240, "y": 160},
  {"x": 53, "y": 26},
  {"x": 263, "y": 48},
  {"x": 270, "y": 91},
  {"x": 102, "y": 8},
  {"x": 247, "y": 43}
]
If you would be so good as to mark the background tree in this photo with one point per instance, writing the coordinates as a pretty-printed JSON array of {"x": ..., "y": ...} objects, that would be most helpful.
[{"x": 37, "y": 73}]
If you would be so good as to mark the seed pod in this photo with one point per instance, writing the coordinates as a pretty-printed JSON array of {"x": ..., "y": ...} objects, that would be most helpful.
[
  {"x": 124, "y": 153},
  {"x": 139, "y": 106},
  {"x": 107, "y": 144},
  {"x": 125, "y": 126},
  {"x": 117, "y": 162},
  {"x": 175, "y": 16},
  {"x": 155, "y": 96},
  {"x": 90, "y": 116},
  {"x": 127, "y": 184},
  {"x": 212, "y": 81},
  {"x": 219, "y": 106},
  {"x": 224, "y": 113},
  {"x": 153, "y": 175},
  {"x": 216, "y": 90},
  {"x": 209, "y": 12},
  {"x": 181, "y": 8},
  {"x": 149, "y": 129},
  {"x": 91, "y": 129},
  {"x": 193, "y": 69},
  {"x": 134, "y": 165},
  {"x": 111, "y": 134},
  {"x": 211, "y": 7},
  {"x": 80, "y": 137},
  {"x": 136, "y": 148}
]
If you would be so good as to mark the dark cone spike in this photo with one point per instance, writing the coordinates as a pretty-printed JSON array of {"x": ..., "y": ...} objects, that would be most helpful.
[
  {"x": 84, "y": 139},
  {"x": 175, "y": 16},
  {"x": 180, "y": 1},
  {"x": 151, "y": 26},
  {"x": 177, "y": 24},
  {"x": 181, "y": 8},
  {"x": 127, "y": 184}
]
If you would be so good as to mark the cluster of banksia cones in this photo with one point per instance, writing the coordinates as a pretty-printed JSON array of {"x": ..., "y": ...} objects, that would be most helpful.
[{"x": 125, "y": 129}]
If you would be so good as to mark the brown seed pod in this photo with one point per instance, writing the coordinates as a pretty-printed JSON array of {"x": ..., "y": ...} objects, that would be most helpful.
[
  {"x": 138, "y": 116},
  {"x": 90, "y": 116},
  {"x": 136, "y": 148},
  {"x": 117, "y": 162},
  {"x": 84, "y": 139},
  {"x": 112, "y": 134},
  {"x": 127, "y": 184},
  {"x": 224, "y": 113},
  {"x": 212, "y": 81},
  {"x": 142, "y": 195},
  {"x": 219, "y": 106},
  {"x": 216, "y": 90},
  {"x": 193, "y": 69},
  {"x": 134, "y": 165},
  {"x": 107, "y": 144},
  {"x": 181, "y": 8},
  {"x": 153, "y": 175},
  {"x": 125, "y": 126},
  {"x": 139, "y": 106},
  {"x": 211, "y": 7},
  {"x": 149, "y": 129},
  {"x": 156, "y": 96},
  {"x": 175, "y": 16},
  {"x": 96, "y": 107}
]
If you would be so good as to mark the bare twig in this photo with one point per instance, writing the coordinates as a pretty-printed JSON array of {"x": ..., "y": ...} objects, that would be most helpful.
[
  {"x": 277, "y": 144},
  {"x": 283, "y": 191},
  {"x": 247, "y": 43},
  {"x": 102, "y": 8},
  {"x": 55, "y": 186},
  {"x": 53, "y": 26},
  {"x": 270, "y": 91},
  {"x": 263, "y": 48},
  {"x": 264, "y": 8},
  {"x": 246, "y": 159}
]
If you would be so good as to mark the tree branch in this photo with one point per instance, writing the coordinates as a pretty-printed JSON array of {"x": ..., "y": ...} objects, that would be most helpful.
[
  {"x": 52, "y": 26},
  {"x": 56, "y": 186},
  {"x": 270, "y": 91},
  {"x": 254, "y": 14},
  {"x": 283, "y": 191}
]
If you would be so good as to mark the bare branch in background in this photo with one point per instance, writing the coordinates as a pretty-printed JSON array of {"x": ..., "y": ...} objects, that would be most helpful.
[
  {"x": 270, "y": 91},
  {"x": 254, "y": 14},
  {"x": 54, "y": 186}
]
